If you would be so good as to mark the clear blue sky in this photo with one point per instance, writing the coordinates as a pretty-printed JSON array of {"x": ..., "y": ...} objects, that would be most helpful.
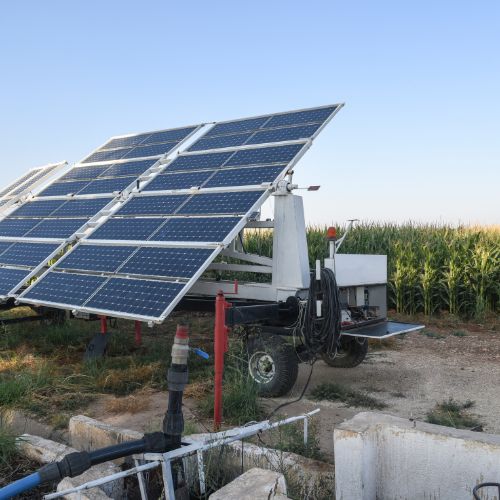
[{"x": 419, "y": 137}]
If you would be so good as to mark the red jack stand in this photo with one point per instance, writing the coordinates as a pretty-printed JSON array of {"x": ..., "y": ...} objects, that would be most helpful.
[
  {"x": 220, "y": 348},
  {"x": 138, "y": 333}
]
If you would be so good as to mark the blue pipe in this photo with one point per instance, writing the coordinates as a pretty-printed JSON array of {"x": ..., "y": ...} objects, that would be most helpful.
[{"x": 19, "y": 486}]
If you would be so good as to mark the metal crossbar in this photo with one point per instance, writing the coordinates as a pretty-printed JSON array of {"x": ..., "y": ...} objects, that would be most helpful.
[{"x": 165, "y": 460}]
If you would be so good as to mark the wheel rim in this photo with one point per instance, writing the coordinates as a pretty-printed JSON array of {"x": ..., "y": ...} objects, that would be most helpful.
[{"x": 262, "y": 367}]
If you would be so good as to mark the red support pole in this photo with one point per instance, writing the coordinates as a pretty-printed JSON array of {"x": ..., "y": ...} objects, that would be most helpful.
[
  {"x": 220, "y": 347},
  {"x": 104, "y": 325},
  {"x": 138, "y": 333}
]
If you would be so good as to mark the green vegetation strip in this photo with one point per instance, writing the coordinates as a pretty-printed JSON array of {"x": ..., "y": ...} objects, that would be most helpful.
[{"x": 336, "y": 392}]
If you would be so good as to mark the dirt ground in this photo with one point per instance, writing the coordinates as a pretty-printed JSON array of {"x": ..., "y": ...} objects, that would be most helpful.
[{"x": 409, "y": 374}]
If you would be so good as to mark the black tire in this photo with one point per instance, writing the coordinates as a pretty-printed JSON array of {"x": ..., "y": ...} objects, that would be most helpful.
[
  {"x": 273, "y": 364},
  {"x": 351, "y": 353}
]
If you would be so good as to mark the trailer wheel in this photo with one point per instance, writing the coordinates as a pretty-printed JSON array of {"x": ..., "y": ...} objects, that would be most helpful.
[
  {"x": 351, "y": 353},
  {"x": 273, "y": 364}
]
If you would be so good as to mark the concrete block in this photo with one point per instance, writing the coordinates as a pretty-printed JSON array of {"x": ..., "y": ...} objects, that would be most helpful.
[
  {"x": 306, "y": 478},
  {"x": 254, "y": 484},
  {"x": 381, "y": 456},
  {"x": 45, "y": 451},
  {"x": 87, "y": 434}
]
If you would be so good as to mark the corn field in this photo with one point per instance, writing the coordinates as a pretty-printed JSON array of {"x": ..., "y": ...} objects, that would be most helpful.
[{"x": 431, "y": 268}]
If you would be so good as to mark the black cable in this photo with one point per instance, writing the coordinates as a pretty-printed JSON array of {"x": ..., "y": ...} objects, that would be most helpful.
[
  {"x": 299, "y": 398},
  {"x": 321, "y": 333}
]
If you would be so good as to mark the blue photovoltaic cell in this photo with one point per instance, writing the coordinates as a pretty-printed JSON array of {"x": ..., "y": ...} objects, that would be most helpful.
[
  {"x": 237, "y": 126},
  {"x": 107, "y": 185},
  {"x": 126, "y": 229},
  {"x": 152, "y": 150},
  {"x": 89, "y": 173},
  {"x": 284, "y": 134},
  {"x": 140, "y": 297},
  {"x": 129, "y": 168},
  {"x": 113, "y": 154},
  {"x": 55, "y": 228},
  {"x": 64, "y": 188},
  {"x": 223, "y": 141},
  {"x": 121, "y": 142},
  {"x": 9, "y": 278},
  {"x": 81, "y": 208},
  {"x": 209, "y": 229},
  {"x": 238, "y": 202},
  {"x": 167, "y": 262},
  {"x": 4, "y": 245},
  {"x": 95, "y": 258},
  {"x": 174, "y": 135},
  {"x": 199, "y": 161},
  {"x": 27, "y": 254},
  {"x": 152, "y": 205},
  {"x": 273, "y": 154},
  {"x": 65, "y": 288},
  {"x": 245, "y": 176},
  {"x": 40, "y": 208},
  {"x": 17, "y": 227},
  {"x": 299, "y": 117},
  {"x": 185, "y": 180}
]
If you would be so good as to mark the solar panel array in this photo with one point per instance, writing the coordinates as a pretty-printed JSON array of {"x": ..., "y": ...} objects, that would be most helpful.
[
  {"x": 26, "y": 182},
  {"x": 140, "y": 259},
  {"x": 41, "y": 229}
]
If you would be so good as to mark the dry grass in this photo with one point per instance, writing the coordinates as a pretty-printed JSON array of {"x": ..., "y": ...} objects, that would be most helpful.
[{"x": 133, "y": 403}]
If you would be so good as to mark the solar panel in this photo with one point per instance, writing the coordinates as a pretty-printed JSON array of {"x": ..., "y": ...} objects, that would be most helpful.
[
  {"x": 236, "y": 126},
  {"x": 64, "y": 188},
  {"x": 126, "y": 229},
  {"x": 247, "y": 176},
  {"x": 283, "y": 134},
  {"x": 96, "y": 258},
  {"x": 185, "y": 180},
  {"x": 238, "y": 202},
  {"x": 19, "y": 181},
  {"x": 17, "y": 227},
  {"x": 266, "y": 129},
  {"x": 223, "y": 141},
  {"x": 128, "y": 168},
  {"x": 199, "y": 161},
  {"x": 107, "y": 185},
  {"x": 135, "y": 297},
  {"x": 151, "y": 150},
  {"x": 4, "y": 245},
  {"x": 85, "y": 173},
  {"x": 153, "y": 205},
  {"x": 38, "y": 208},
  {"x": 55, "y": 228},
  {"x": 9, "y": 278},
  {"x": 264, "y": 156},
  {"x": 166, "y": 262},
  {"x": 27, "y": 254},
  {"x": 65, "y": 288},
  {"x": 157, "y": 244},
  {"x": 200, "y": 229},
  {"x": 81, "y": 208}
]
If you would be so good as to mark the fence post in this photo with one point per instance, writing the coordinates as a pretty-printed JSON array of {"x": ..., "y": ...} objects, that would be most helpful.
[{"x": 138, "y": 333}]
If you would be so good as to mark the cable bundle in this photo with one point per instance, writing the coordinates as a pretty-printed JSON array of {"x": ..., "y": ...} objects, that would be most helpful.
[{"x": 320, "y": 334}]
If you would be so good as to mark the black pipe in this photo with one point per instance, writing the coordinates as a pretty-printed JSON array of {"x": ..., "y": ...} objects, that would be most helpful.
[{"x": 76, "y": 463}]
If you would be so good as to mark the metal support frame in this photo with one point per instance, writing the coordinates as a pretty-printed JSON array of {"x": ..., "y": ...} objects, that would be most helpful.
[{"x": 198, "y": 447}]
